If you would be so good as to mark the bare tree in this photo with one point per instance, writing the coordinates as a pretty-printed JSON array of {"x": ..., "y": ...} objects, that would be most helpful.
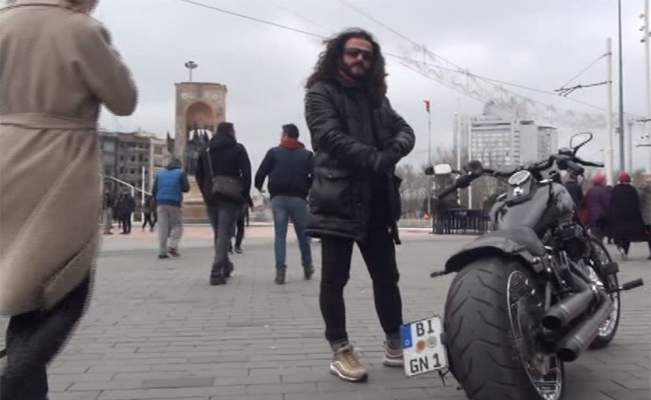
[{"x": 413, "y": 189}]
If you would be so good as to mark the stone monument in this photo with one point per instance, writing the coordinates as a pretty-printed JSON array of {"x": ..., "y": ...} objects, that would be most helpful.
[{"x": 200, "y": 108}]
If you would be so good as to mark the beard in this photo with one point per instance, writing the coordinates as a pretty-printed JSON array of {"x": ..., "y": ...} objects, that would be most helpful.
[{"x": 348, "y": 70}]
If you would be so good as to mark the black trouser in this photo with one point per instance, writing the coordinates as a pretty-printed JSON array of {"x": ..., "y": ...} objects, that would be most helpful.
[
  {"x": 222, "y": 219},
  {"x": 239, "y": 233},
  {"x": 126, "y": 223},
  {"x": 148, "y": 219},
  {"x": 623, "y": 244},
  {"x": 33, "y": 340},
  {"x": 378, "y": 251}
]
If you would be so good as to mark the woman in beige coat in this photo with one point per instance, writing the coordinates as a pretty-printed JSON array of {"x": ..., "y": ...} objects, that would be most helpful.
[
  {"x": 57, "y": 67},
  {"x": 645, "y": 205}
]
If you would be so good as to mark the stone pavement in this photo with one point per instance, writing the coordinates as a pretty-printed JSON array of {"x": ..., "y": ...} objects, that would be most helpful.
[
  {"x": 157, "y": 330},
  {"x": 201, "y": 236}
]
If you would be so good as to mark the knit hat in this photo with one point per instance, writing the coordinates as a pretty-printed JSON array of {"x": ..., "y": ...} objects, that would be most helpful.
[
  {"x": 624, "y": 177},
  {"x": 599, "y": 179}
]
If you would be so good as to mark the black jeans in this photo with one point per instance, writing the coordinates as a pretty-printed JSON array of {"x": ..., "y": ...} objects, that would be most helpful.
[
  {"x": 624, "y": 245},
  {"x": 222, "y": 219},
  {"x": 239, "y": 230},
  {"x": 126, "y": 223},
  {"x": 33, "y": 340},
  {"x": 378, "y": 251},
  {"x": 150, "y": 220}
]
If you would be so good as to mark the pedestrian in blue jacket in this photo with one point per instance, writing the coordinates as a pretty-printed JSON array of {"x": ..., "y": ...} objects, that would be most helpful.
[{"x": 169, "y": 186}]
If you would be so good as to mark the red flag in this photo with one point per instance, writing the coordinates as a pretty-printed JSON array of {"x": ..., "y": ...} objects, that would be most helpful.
[{"x": 426, "y": 105}]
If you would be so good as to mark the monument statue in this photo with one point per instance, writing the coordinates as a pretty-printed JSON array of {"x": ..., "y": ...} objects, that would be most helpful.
[
  {"x": 197, "y": 142},
  {"x": 200, "y": 107}
]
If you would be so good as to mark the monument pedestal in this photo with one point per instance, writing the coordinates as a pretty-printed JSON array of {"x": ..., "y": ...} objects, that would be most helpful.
[
  {"x": 194, "y": 209},
  {"x": 200, "y": 107}
]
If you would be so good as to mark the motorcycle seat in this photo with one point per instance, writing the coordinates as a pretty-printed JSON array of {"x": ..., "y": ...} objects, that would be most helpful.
[{"x": 523, "y": 235}]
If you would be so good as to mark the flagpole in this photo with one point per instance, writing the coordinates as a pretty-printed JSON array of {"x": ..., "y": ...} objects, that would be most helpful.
[
  {"x": 429, "y": 156},
  {"x": 429, "y": 131}
]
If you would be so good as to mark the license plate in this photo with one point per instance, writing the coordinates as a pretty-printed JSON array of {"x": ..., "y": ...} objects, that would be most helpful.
[{"x": 422, "y": 347}]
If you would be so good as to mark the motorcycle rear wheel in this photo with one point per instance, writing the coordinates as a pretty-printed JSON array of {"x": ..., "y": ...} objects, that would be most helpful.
[
  {"x": 608, "y": 329},
  {"x": 493, "y": 309}
]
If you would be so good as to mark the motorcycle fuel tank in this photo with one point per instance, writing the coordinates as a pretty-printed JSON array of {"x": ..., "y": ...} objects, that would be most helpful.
[{"x": 533, "y": 205}]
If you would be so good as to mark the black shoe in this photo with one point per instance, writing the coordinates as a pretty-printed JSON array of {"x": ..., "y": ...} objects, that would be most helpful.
[
  {"x": 280, "y": 277},
  {"x": 309, "y": 273},
  {"x": 238, "y": 249},
  {"x": 229, "y": 269},
  {"x": 163, "y": 256},
  {"x": 216, "y": 280},
  {"x": 174, "y": 252}
]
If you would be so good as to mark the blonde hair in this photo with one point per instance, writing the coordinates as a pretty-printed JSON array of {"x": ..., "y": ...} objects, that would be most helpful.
[{"x": 74, "y": 5}]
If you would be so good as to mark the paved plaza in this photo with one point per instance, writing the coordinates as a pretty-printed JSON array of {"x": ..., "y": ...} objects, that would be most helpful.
[{"x": 157, "y": 330}]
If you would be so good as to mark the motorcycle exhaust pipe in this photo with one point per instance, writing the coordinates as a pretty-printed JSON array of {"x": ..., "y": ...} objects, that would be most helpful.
[
  {"x": 571, "y": 347},
  {"x": 568, "y": 309}
]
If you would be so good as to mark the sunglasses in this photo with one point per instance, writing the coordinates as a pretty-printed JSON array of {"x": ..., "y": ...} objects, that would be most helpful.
[{"x": 366, "y": 55}]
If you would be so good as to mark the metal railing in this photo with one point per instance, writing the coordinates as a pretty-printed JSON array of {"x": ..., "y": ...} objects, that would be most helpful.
[{"x": 464, "y": 222}]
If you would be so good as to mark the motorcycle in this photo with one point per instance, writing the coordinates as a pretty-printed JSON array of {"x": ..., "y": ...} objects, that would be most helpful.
[{"x": 528, "y": 297}]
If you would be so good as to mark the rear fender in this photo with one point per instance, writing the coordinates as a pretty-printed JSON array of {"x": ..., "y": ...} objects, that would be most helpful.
[{"x": 517, "y": 243}]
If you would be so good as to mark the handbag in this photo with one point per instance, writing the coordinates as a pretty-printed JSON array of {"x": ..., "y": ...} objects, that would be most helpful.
[{"x": 223, "y": 186}]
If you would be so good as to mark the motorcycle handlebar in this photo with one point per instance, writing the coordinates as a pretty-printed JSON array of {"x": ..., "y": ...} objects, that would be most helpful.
[
  {"x": 588, "y": 163},
  {"x": 573, "y": 166},
  {"x": 565, "y": 162},
  {"x": 463, "y": 182},
  {"x": 447, "y": 191}
]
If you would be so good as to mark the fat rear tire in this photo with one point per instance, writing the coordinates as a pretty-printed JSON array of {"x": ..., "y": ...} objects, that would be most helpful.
[{"x": 481, "y": 347}]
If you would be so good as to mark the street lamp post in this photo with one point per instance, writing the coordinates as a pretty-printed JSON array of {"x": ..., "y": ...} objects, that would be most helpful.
[
  {"x": 647, "y": 74},
  {"x": 190, "y": 65},
  {"x": 622, "y": 145},
  {"x": 610, "y": 151}
]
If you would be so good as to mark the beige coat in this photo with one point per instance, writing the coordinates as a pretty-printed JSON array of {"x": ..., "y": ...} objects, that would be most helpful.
[
  {"x": 56, "y": 68},
  {"x": 645, "y": 200}
]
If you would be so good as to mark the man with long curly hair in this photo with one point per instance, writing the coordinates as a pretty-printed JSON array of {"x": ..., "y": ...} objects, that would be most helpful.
[{"x": 358, "y": 138}]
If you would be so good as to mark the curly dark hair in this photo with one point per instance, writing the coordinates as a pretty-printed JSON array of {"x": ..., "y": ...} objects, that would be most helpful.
[{"x": 328, "y": 65}]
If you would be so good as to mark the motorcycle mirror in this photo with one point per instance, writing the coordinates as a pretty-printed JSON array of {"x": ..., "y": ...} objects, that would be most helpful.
[
  {"x": 442, "y": 169},
  {"x": 579, "y": 140}
]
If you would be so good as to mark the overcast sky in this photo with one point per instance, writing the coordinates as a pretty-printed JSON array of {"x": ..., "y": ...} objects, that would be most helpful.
[{"x": 535, "y": 43}]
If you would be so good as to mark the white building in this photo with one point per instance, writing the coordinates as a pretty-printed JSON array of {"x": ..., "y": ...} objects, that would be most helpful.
[{"x": 498, "y": 139}]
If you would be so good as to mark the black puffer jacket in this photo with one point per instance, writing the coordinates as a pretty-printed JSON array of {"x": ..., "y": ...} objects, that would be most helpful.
[{"x": 347, "y": 132}]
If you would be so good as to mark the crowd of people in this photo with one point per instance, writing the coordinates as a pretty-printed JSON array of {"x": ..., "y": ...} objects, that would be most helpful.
[
  {"x": 120, "y": 210},
  {"x": 349, "y": 179},
  {"x": 620, "y": 213},
  {"x": 344, "y": 192}
]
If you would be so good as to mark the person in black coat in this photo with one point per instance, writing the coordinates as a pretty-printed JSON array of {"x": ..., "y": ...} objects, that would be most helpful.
[
  {"x": 357, "y": 138},
  {"x": 574, "y": 188},
  {"x": 126, "y": 206},
  {"x": 625, "y": 215},
  {"x": 227, "y": 158}
]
